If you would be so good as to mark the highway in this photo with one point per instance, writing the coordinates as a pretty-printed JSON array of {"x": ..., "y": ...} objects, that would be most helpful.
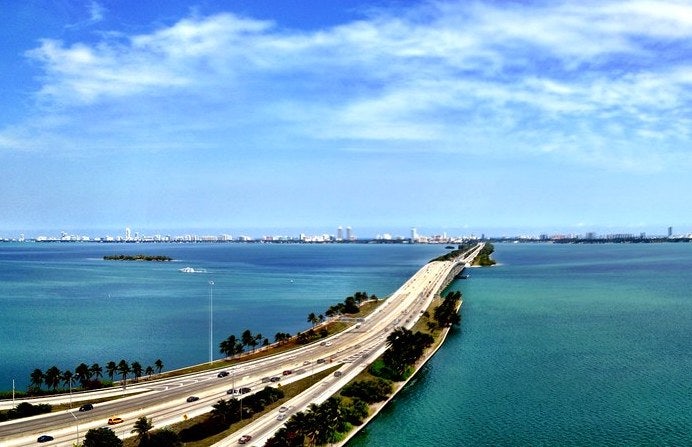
[{"x": 164, "y": 401}]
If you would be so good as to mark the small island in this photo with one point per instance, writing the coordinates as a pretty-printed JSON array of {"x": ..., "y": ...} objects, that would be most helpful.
[{"x": 137, "y": 258}]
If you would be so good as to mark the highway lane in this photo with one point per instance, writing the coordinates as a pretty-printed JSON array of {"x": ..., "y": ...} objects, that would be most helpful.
[
  {"x": 164, "y": 401},
  {"x": 415, "y": 295}
]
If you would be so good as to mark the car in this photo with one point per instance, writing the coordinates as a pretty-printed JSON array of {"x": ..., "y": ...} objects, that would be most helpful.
[
  {"x": 337, "y": 373},
  {"x": 280, "y": 417},
  {"x": 283, "y": 409},
  {"x": 44, "y": 438},
  {"x": 307, "y": 362},
  {"x": 115, "y": 420},
  {"x": 86, "y": 407},
  {"x": 287, "y": 372},
  {"x": 222, "y": 374},
  {"x": 266, "y": 379},
  {"x": 275, "y": 379},
  {"x": 192, "y": 398},
  {"x": 244, "y": 439},
  {"x": 321, "y": 360}
]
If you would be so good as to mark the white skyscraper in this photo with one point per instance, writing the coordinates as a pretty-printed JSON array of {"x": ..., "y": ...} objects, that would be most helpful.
[
  {"x": 128, "y": 234},
  {"x": 414, "y": 235},
  {"x": 340, "y": 233},
  {"x": 349, "y": 236}
]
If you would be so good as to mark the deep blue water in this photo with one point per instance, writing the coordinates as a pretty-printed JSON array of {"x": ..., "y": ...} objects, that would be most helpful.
[{"x": 587, "y": 345}]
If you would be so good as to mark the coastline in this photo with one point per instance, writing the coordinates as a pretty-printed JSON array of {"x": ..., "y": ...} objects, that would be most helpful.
[{"x": 398, "y": 386}]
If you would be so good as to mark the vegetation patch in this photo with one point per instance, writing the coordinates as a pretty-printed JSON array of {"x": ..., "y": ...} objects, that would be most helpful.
[
  {"x": 483, "y": 259},
  {"x": 216, "y": 429}
]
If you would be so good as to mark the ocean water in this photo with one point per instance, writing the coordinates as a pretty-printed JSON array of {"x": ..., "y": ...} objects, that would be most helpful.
[
  {"x": 62, "y": 304},
  {"x": 561, "y": 345}
]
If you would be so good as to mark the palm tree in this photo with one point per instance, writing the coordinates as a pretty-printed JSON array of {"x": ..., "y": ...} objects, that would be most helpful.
[
  {"x": 159, "y": 365},
  {"x": 312, "y": 319},
  {"x": 224, "y": 410},
  {"x": 258, "y": 339},
  {"x": 137, "y": 369},
  {"x": 36, "y": 378},
  {"x": 83, "y": 373},
  {"x": 111, "y": 369},
  {"x": 142, "y": 427},
  {"x": 298, "y": 426},
  {"x": 67, "y": 377},
  {"x": 124, "y": 370},
  {"x": 227, "y": 346},
  {"x": 247, "y": 338},
  {"x": 52, "y": 377},
  {"x": 149, "y": 371},
  {"x": 96, "y": 371}
]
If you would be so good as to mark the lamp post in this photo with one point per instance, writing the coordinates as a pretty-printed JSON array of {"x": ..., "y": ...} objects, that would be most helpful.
[
  {"x": 77, "y": 421},
  {"x": 211, "y": 321}
]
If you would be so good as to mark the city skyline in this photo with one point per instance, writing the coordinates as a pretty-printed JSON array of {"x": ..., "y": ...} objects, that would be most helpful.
[
  {"x": 258, "y": 117},
  {"x": 127, "y": 234}
]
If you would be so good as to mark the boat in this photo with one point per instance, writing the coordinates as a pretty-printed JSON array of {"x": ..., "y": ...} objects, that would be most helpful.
[{"x": 192, "y": 270}]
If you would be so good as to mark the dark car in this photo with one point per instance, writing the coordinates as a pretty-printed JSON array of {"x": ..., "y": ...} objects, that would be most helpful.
[
  {"x": 275, "y": 379},
  {"x": 222, "y": 374},
  {"x": 244, "y": 439},
  {"x": 192, "y": 398},
  {"x": 86, "y": 407},
  {"x": 44, "y": 438},
  {"x": 287, "y": 372}
]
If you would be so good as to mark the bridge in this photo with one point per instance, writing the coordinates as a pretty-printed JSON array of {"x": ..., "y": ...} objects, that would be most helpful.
[{"x": 165, "y": 401}]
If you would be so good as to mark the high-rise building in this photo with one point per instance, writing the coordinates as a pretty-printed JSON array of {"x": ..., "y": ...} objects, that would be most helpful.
[
  {"x": 128, "y": 234},
  {"x": 414, "y": 235},
  {"x": 340, "y": 233},
  {"x": 670, "y": 231},
  {"x": 349, "y": 236}
]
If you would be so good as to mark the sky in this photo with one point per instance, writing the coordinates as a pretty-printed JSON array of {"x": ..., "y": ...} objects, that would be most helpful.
[{"x": 285, "y": 116}]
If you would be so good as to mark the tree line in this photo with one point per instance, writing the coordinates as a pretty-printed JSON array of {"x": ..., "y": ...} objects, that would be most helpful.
[
  {"x": 320, "y": 424},
  {"x": 329, "y": 422},
  {"x": 88, "y": 377},
  {"x": 145, "y": 436},
  {"x": 350, "y": 305},
  {"x": 232, "y": 345},
  {"x": 224, "y": 413}
]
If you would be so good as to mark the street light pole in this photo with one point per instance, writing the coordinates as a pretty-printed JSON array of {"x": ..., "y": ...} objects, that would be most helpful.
[
  {"x": 211, "y": 321},
  {"x": 77, "y": 421}
]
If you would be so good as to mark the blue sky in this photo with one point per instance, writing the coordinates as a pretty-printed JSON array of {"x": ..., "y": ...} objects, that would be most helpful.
[{"x": 254, "y": 117}]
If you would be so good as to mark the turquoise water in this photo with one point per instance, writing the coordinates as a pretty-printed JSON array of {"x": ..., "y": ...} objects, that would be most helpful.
[
  {"x": 62, "y": 304},
  {"x": 559, "y": 346}
]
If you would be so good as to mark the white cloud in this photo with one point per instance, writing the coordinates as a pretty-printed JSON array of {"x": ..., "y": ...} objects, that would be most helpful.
[{"x": 592, "y": 82}]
